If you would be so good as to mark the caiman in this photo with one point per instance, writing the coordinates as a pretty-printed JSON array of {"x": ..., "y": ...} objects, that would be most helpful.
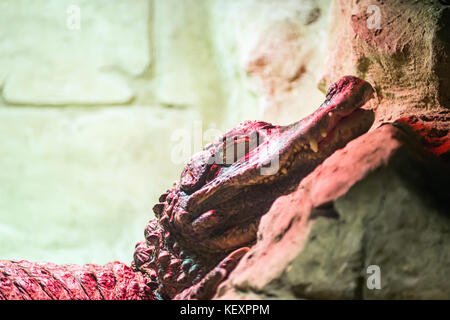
[{"x": 208, "y": 220}]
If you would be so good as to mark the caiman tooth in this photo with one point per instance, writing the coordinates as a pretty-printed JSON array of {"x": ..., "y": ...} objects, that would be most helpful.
[
  {"x": 323, "y": 133},
  {"x": 313, "y": 144},
  {"x": 299, "y": 147}
]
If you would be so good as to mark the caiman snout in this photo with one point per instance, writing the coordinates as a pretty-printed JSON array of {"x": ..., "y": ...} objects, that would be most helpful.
[{"x": 342, "y": 99}]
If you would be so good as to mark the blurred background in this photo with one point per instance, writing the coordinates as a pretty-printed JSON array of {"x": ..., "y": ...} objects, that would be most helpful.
[{"x": 98, "y": 96}]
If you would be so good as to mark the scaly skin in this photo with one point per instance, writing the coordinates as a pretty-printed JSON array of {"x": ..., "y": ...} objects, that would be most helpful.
[
  {"x": 23, "y": 280},
  {"x": 207, "y": 221}
]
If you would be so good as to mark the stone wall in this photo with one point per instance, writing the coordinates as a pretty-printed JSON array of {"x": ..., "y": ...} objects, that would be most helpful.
[{"x": 401, "y": 47}]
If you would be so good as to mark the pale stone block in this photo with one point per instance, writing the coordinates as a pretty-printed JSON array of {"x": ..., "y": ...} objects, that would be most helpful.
[
  {"x": 41, "y": 87},
  {"x": 274, "y": 51},
  {"x": 187, "y": 72},
  {"x": 48, "y": 58},
  {"x": 78, "y": 184}
]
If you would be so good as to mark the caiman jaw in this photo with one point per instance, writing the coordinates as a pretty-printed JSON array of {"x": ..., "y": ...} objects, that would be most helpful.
[
  {"x": 241, "y": 231},
  {"x": 223, "y": 213}
]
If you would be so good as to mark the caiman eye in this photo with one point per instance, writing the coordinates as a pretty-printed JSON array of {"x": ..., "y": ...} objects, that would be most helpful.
[{"x": 195, "y": 172}]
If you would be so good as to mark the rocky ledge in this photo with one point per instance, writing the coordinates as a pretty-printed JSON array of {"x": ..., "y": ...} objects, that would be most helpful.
[{"x": 379, "y": 207}]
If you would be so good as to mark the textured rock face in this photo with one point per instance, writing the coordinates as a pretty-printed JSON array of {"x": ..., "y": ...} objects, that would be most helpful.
[
  {"x": 401, "y": 47},
  {"x": 279, "y": 48},
  {"x": 379, "y": 201}
]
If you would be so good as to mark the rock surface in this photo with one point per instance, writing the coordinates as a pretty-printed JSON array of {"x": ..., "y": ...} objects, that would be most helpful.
[
  {"x": 379, "y": 201},
  {"x": 279, "y": 49},
  {"x": 401, "y": 47}
]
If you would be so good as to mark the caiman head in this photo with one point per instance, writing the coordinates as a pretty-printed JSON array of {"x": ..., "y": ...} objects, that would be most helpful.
[
  {"x": 225, "y": 189},
  {"x": 214, "y": 209}
]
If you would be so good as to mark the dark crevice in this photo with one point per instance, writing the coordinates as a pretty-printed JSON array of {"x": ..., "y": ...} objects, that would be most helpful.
[
  {"x": 360, "y": 278},
  {"x": 280, "y": 236},
  {"x": 326, "y": 210},
  {"x": 97, "y": 284}
]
